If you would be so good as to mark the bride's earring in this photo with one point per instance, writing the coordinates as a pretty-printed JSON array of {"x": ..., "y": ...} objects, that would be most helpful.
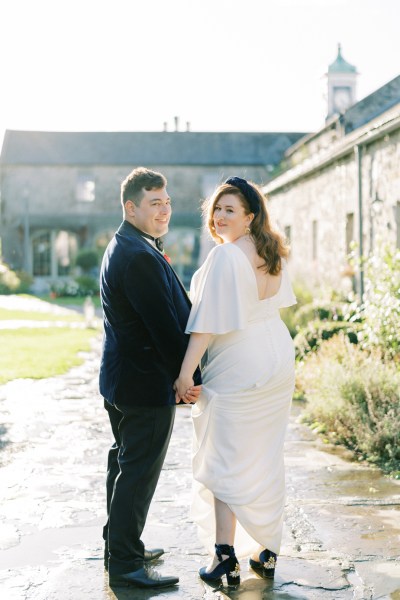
[{"x": 247, "y": 230}]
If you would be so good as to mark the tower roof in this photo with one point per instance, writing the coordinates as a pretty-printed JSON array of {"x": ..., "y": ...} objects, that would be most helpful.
[{"x": 340, "y": 65}]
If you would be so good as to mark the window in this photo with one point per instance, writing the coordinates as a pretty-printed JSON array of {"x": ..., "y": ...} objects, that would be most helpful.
[
  {"x": 85, "y": 188},
  {"x": 349, "y": 231},
  {"x": 41, "y": 250},
  {"x": 53, "y": 253},
  {"x": 65, "y": 245},
  {"x": 314, "y": 240}
]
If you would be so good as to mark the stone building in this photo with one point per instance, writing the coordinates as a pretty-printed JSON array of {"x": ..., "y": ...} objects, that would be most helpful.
[
  {"x": 60, "y": 191},
  {"x": 341, "y": 185}
]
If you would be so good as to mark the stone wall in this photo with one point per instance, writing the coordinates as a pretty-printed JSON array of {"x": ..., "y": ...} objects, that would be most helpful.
[
  {"x": 326, "y": 198},
  {"x": 45, "y": 197}
]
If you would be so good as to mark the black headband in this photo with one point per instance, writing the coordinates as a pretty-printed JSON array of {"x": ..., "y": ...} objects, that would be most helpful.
[{"x": 248, "y": 192}]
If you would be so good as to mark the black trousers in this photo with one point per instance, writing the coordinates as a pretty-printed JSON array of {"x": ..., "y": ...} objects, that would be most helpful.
[{"x": 135, "y": 460}]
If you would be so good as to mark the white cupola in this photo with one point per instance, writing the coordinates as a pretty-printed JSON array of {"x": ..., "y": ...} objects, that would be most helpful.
[{"x": 342, "y": 78}]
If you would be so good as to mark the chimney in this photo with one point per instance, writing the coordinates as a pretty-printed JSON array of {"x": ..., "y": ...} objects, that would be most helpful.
[
  {"x": 187, "y": 125},
  {"x": 176, "y": 119},
  {"x": 165, "y": 126}
]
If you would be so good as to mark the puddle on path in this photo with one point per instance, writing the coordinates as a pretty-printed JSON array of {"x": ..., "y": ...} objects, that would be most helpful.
[{"x": 49, "y": 545}]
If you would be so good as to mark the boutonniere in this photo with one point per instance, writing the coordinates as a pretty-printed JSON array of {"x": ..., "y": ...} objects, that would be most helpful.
[{"x": 167, "y": 258}]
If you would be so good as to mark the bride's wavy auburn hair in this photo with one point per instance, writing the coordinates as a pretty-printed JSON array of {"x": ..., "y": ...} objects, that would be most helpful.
[{"x": 270, "y": 244}]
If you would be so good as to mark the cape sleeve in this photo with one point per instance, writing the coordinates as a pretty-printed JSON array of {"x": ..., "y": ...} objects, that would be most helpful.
[
  {"x": 219, "y": 294},
  {"x": 286, "y": 294}
]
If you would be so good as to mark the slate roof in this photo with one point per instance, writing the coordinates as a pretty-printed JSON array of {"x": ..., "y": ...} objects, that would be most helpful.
[
  {"x": 144, "y": 148},
  {"x": 359, "y": 114},
  {"x": 373, "y": 105}
]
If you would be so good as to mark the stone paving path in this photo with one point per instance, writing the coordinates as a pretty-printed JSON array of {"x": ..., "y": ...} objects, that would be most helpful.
[{"x": 342, "y": 527}]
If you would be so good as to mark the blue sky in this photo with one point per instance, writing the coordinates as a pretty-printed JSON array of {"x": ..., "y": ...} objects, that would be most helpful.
[{"x": 127, "y": 65}]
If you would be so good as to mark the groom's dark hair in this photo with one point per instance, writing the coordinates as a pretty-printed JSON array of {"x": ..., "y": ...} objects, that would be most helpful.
[{"x": 138, "y": 180}]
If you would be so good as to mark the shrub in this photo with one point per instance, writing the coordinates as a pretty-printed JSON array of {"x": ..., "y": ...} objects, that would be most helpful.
[
  {"x": 25, "y": 280},
  {"x": 9, "y": 280},
  {"x": 380, "y": 311},
  {"x": 12, "y": 282},
  {"x": 311, "y": 337},
  {"x": 353, "y": 397},
  {"x": 303, "y": 296},
  {"x": 311, "y": 317},
  {"x": 321, "y": 311},
  {"x": 65, "y": 288},
  {"x": 87, "y": 285},
  {"x": 87, "y": 259}
]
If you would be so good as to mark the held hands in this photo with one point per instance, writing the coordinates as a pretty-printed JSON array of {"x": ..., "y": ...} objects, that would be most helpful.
[
  {"x": 185, "y": 390},
  {"x": 183, "y": 386}
]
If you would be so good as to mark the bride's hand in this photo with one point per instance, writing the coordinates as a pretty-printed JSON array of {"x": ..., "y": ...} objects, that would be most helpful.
[
  {"x": 193, "y": 393},
  {"x": 182, "y": 386}
]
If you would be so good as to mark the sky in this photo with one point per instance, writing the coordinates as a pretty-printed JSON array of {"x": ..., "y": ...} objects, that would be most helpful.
[{"x": 222, "y": 65}]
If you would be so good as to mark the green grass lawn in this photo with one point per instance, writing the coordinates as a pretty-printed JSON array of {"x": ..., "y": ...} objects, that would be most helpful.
[
  {"x": 68, "y": 301},
  {"x": 24, "y": 315},
  {"x": 40, "y": 353}
]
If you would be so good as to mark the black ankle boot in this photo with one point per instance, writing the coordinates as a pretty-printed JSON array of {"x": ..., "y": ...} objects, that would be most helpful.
[
  {"x": 229, "y": 567},
  {"x": 266, "y": 564}
]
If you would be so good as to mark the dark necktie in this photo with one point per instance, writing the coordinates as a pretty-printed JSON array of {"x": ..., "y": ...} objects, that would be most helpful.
[
  {"x": 158, "y": 241},
  {"x": 159, "y": 245}
]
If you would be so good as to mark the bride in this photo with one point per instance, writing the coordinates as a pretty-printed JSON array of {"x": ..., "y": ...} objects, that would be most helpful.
[{"x": 242, "y": 413}]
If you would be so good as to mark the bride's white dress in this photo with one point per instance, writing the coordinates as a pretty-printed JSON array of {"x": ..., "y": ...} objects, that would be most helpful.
[{"x": 241, "y": 416}]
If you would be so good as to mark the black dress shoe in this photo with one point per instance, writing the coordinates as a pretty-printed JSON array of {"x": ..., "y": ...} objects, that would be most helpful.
[
  {"x": 148, "y": 555},
  {"x": 153, "y": 554},
  {"x": 145, "y": 577}
]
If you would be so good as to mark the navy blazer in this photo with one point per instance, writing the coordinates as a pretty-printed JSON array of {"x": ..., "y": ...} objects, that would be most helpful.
[{"x": 146, "y": 309}]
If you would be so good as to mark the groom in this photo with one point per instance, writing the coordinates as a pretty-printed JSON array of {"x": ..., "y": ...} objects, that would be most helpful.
[{"x": 145, "y": 311}]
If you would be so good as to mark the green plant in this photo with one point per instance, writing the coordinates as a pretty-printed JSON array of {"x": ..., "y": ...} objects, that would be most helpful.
[
  {"x": 321, "y": 311},
  {"x": 353, "y": 397},
  {"x": 13, "y": 282},
  {"x": 25, "y": 280},
  {"x": 9, "y": 280},
  {"x": 62, "y": 287},
  {"x": 87, "y": 259},
  {"x": 84, "y": 285},
  {"x": 303, "y": 296},
  {"x": 87, "y": 285},
  {"x": 312, "y": 336},
  {"x": 380, "y": 311}
]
